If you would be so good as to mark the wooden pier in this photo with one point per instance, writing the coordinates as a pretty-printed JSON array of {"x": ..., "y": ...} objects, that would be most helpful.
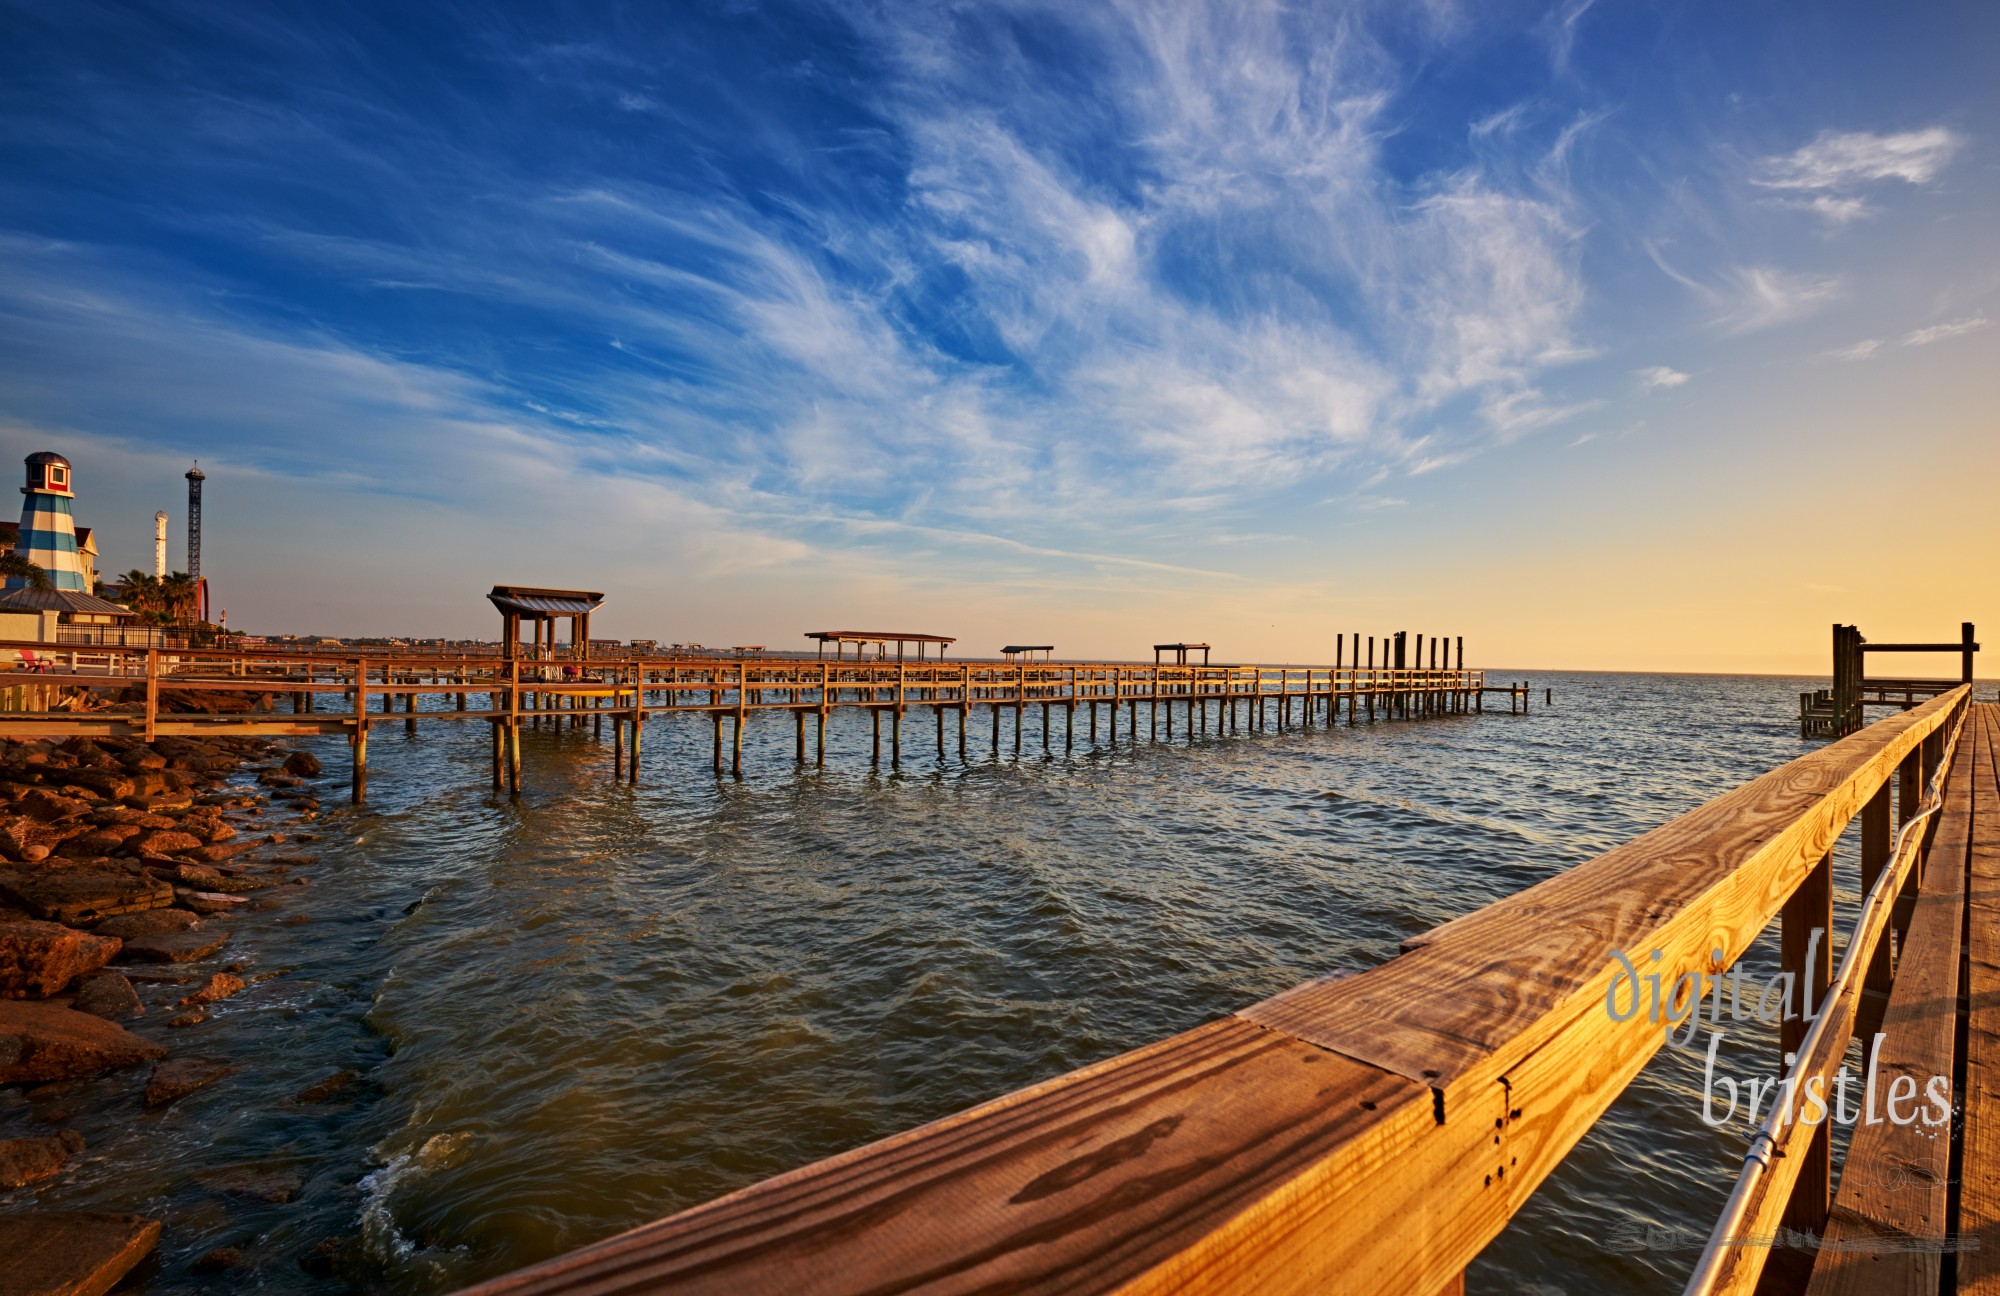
[
  {"x": 1838, "y": 711},
  {"x": 969, "y": 704},
  {"x": 1372, "y": 1133}
]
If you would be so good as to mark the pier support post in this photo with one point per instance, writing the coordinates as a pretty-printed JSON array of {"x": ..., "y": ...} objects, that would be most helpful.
[
  {"x": 875, "y": 718},
  {"x": 736, "y": 758},
  {"x": 358, "y": 739},
  {"x": 1806, "y": 952},
  {"x": 717, "y": 717},
  {"x": 638, "y": 727},
  {"x": 1881, "y": 974},
  {"x": 964, "y": 705},
  {"x": 499, "y": 757},
  {"x": 617, "y": 746},
  {"x": 800, "y": 717}
]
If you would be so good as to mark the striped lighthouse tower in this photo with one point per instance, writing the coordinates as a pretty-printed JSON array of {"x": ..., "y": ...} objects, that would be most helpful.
[{"x": 48, "y": 532}]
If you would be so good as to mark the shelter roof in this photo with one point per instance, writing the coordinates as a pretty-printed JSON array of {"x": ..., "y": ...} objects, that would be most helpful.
[
  {"x": 877, "y": 636},
  {"x": 54, "y": 600},
  {"x": 529, "y": 600}
]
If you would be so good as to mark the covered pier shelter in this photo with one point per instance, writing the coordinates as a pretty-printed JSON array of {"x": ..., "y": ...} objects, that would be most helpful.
[
  {"x": 1180, "y": 652},
  {"x": 880, "y": 639},
  {"x": 540, "y": 608},
  {"x": 1026, "y": 652}
]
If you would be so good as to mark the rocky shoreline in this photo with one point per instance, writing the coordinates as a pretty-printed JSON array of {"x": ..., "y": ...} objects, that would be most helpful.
[{"x": 124, "y": 867}]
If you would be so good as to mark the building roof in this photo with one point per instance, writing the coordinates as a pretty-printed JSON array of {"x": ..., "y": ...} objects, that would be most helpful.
[
  {"x": 528, "y": 600},
  {"x": 877, "y": 636},
  {"x": 48, "y": 457},
  {"x": 50, "y": 600}
]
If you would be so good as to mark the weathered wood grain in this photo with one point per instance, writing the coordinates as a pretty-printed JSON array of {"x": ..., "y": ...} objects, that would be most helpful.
[{"x": 1205, "y": 1160}]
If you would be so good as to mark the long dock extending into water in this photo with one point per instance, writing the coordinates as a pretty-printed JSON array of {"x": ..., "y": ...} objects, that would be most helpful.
[
  {"x": 150, "y": 692},
  {"x": 1372, "y": 1133}
]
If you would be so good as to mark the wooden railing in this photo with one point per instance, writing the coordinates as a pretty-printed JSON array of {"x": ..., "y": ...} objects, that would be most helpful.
[{"x": 1370, "y": 1133}]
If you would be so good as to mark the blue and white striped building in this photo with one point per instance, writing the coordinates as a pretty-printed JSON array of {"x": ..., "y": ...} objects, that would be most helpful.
[{"x": 48, "y": 530}]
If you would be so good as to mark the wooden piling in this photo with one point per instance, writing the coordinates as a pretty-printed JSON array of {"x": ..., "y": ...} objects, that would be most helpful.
[{"x": 359, "y": 739}]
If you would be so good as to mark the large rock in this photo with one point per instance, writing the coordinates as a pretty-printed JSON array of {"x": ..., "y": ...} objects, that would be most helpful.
[
  {"x": 221, "y": 851},
  {"x": 83, "y": 891},
  {"x": 109, "y": 784},
  {"x": 40, "y": 1042},
  {"x": 28, "y": 1160},
  {"x": 302, "y": 764},
  {"x": 220, "y": 985},
  {"x": 149, "y": 923},
  {"x": 72, "y": 1253},
  {"x": 174, "y": 1080},
  {"x": 211, "y": 831},
  {"x": 31, "y": 839},
  {"x": 38, "y": 959},
  {"x": 163, "y": 841},
  {"x": 92, "y": 845},
  {"x": 258, "y": 1183},
  {"x": 108, "y": 995},
  {"x": 214, "y": 880},
  {"x": 47, "y": 806},
  {"x": 209, "y": 902},
  {"x": 174, "y": 947}
]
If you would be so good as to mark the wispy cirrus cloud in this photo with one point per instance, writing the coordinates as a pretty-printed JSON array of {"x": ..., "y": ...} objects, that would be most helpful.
[
  {"x": 1826, "y": 173},
  {"x": 1951, "y": 329},
  {"x": 1926, "y": 336},
  {"x": 1657, "y": 377},
  {"x": 1757, "y": 297}
]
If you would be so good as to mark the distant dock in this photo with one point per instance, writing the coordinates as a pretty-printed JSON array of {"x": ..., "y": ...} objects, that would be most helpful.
[{"x": 349, "y": 694}]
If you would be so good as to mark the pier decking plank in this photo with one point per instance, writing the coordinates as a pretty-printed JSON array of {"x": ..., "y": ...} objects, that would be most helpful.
[
  {"x": 1890, "y": 1219},
  {"x": 1979, "y": 1188}
]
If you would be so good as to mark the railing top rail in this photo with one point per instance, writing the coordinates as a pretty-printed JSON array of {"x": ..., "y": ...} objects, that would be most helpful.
[{"x": 1370, "y": 1133}]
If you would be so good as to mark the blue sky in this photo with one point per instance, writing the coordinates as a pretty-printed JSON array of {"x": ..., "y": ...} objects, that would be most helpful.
[{"x": 1254, "y": 322}]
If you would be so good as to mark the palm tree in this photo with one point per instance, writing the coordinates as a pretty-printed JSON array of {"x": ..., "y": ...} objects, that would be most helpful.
[
  {"x": 140, "y": 591},
  {"x": 180, "y": 597},
  {"x": 14, "y": 567}
]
